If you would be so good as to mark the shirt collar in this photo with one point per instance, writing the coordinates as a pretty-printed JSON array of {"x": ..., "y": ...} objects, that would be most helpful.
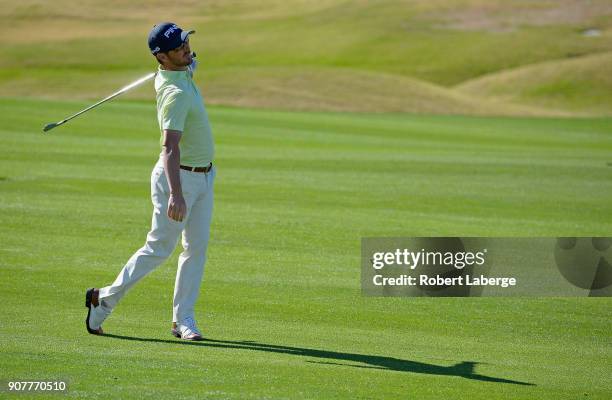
[{"x": 172, "y": 76}]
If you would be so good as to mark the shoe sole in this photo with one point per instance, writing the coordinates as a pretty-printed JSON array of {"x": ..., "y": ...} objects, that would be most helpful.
[
  {"x": 88, "y": 297},
  {"x": 177, "y": 334}
]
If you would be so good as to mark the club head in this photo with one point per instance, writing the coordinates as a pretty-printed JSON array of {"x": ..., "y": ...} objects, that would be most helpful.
[{"x": 50, "y": 126}]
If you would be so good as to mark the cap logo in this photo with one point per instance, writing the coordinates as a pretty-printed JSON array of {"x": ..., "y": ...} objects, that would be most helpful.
[
  {"x": 155, "y": 50},
  {"x": 170, "y": 30}
]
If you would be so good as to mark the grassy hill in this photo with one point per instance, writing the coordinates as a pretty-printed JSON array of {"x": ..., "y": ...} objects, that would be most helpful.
[
  {"x": 581, "y": 84},
  {"x": 411, "y": 56}
]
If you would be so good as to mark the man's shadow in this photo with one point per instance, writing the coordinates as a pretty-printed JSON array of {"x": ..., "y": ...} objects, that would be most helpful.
[{"x": 463, "y": 369}]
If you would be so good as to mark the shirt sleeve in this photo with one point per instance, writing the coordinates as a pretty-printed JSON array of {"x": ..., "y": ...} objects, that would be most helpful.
[{"x": 174, "y": 110}]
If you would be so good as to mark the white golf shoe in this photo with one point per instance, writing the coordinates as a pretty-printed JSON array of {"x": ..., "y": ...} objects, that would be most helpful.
[
  {"x": 95, "y": 314},
  {"x": 187, "y": 330}
]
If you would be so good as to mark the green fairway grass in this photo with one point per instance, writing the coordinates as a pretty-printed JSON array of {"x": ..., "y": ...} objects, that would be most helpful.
[{"x": 281, "y": 302}]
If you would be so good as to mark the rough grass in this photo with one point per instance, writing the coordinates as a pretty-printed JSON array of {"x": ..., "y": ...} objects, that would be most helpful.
[
  {"x": 281, "y": 303},
  {"x": 417, "y": 44}
]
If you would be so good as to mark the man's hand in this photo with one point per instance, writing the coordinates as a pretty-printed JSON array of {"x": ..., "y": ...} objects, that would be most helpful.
[{"x": 177, "y": 208}]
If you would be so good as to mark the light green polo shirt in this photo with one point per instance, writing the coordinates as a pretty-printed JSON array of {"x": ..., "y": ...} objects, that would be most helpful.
[{"x": 180, "y": 107}]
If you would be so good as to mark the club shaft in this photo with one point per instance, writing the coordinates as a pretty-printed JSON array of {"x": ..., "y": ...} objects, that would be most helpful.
[{"x": 112, "y": 96}]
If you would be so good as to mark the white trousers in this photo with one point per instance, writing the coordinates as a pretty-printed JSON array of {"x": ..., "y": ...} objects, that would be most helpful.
[{"x": 162, "y": 239}]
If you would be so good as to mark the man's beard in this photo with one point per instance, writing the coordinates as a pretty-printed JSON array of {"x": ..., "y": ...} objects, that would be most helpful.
[{"x": 181, "y": 62}]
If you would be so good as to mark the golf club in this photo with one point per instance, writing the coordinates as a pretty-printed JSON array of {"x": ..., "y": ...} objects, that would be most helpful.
[
  {"x": 132, "y": 85},
  {"x": 52, "y": 125}
]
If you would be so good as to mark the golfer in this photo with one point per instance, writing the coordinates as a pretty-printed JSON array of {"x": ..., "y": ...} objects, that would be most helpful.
[{"x": 181, "y": 189}]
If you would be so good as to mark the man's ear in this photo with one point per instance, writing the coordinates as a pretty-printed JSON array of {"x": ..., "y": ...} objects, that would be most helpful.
[{"x": 161, "y": 58}]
